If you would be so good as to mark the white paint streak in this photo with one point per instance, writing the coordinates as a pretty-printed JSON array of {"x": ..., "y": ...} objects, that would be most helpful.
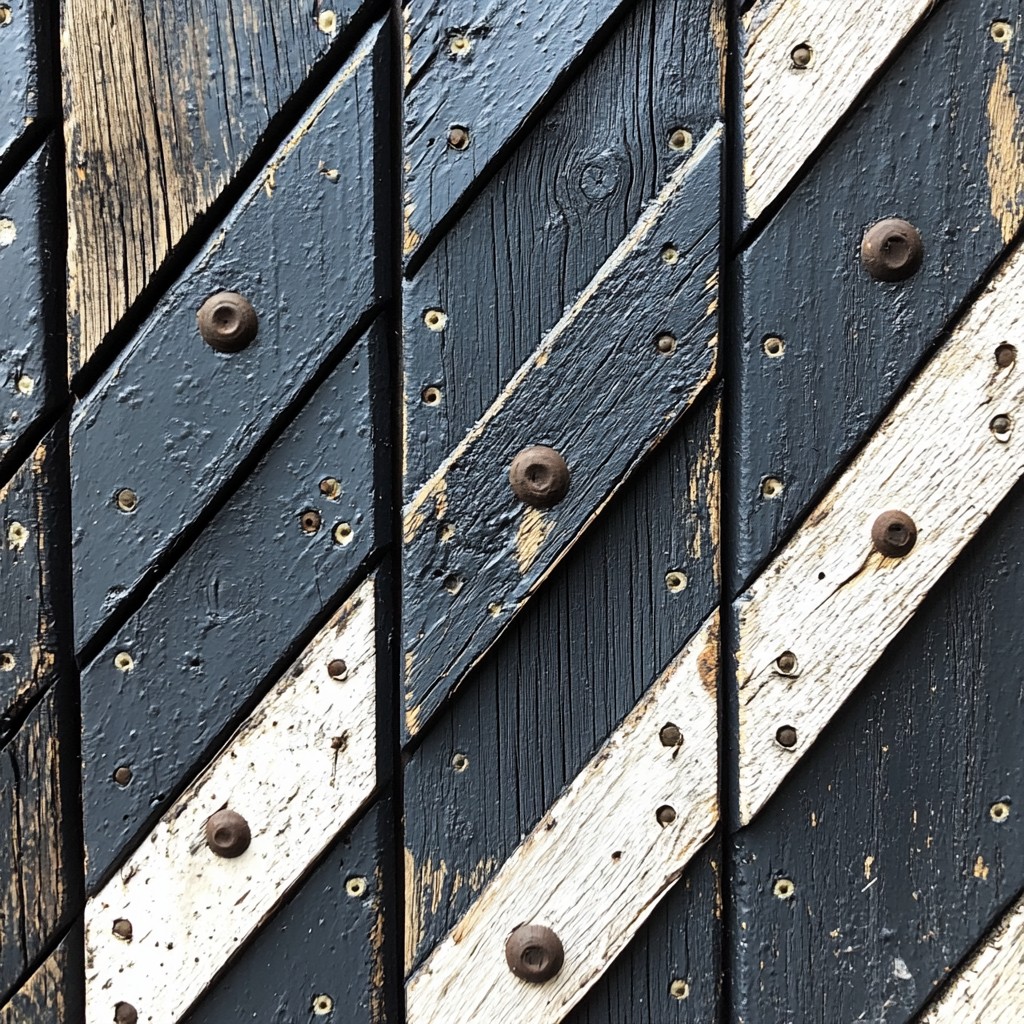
[
  {"x": 191, "y": 910},
  {"x": 829, "y": 597},
  {"x": 564, "y": 874},
  {"x": 787, "y": 111},
  {"x": 989, "y": 989}
]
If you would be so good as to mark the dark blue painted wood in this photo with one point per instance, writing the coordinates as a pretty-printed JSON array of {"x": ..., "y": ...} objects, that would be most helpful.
[
  {"x": 54, "y": 993},
  {"x": 228, "y": 617},
  {"x": 603, "y": 399},
  {"x": 25, "y": 92},
  {"x": 918, "y": 148},
  {"x": 178, "y": 422},
  {"x": 32, "y": 361},
  {"x": 906, "y": 775},
  {"x": 537, "y": 47},
  {"x": 549, "y": 693},
  {"x": 322, "y": 943}
]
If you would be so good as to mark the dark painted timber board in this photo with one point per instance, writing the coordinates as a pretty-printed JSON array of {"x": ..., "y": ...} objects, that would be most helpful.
[
  {"x": 546, "y": 697},
  {"x": 920, "y": 147},
  {"x": 229, "y": 615},
  {"x": 54, "y": 993},
  {"x": 174, "y": 420},
  {"x": 539, "y": 231},
  {"x": 26, "y": 93},
  {"x": 906, "y": 775},
  {"x": 603, "y": 398},
  {"x": 322, "y": 955}
]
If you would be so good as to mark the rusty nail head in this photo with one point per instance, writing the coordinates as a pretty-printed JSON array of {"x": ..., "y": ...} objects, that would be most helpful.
[
  {"x": 891, "y": 250},
  {"x": 893, "y": 534},
  {"x": 786, "y": 663},
  {"x": 337, "y": 669},
  {"x": 539, "y": 476},
  {"x": 671, "y": 736},
  {"x": 801, "y": 56},
  {"x": 123, "y": 775},
  {"x": 125, "y": 1013},
  {"x": 227, "y": 834},
  {"x": 227, "y": 322},
  {"x": 310, "y": 521},
  {"x": 1006, "y": 355},
  {"x": 1000, "y": 425},
  {"x": 534, "y": 953},
  {"x": 666, "y": 815},
  {"x": 123, "y": 929},
  {"x": 458, "y": 137},
  {"x": 127, "y": 500},
  {"x": 786, "y": 736}
]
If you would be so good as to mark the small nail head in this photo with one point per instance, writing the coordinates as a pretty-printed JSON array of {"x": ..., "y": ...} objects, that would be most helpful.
[
  {"x": 123, "y": 929},
  {"x": 666, "y": 815},
  {"x": 534, "y": 953},
  {"x": 786, "y": 663},
  {"x": 1001, "y": 426},
  {"x": 123, "y": 775},
  {"x": 680, "y": 140},
  {"x": 127, "y": 500},
  {"x": 801, "y": 56},
  {"x": 671, "y": 735},
  {"x": 458, "y": 137},
  {"x": 337, "y": 669},
  {"x": 786, "y": 737},
  {"x": 666, "y": 344},
  {"x": 1006, "y": 356},
  {"x": 125, "y": 1013},
  {"x": 310, "y": 521}
]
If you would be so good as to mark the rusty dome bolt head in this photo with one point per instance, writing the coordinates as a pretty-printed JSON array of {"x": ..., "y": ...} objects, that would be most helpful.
[
  {"x": 893, "y": 534},
  {"x": 227, "y": 834},
  {"x": 539, "y": 476},
  {"x": 227, "y": 322},
  {"x": 125, "y": 1013},
  {"x": 891, "y": 250},
  {"x": 534, "y": 953}
]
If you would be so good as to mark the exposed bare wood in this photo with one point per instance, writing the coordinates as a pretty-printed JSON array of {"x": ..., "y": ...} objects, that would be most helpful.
[
  {"x": 297, "y": 770},
  {"x": 830, "y": 599},
  {"x": 596, "y": 865}
]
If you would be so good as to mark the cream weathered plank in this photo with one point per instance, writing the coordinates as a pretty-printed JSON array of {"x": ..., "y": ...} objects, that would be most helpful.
[
  {"x": 596, "y": 865},
  {"x": 297, "y": 770},
  {"x": 789, "y": 109},
  {"x": 989, "y": 988},
  {"x": 830, "y": 600}
]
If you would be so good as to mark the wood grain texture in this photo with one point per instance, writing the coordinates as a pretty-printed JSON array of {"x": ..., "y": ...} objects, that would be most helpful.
[
  {"x": 174, "y": 419},
  {"x": 563, "y": 201},
  {"x": 788, "y": 110},
  {"x": 298, "y": 769},
  {"x": 228, "y": 618},
  {"x": 163, "y": 104},
  {"x": 32, "y": 372},
  {"x": 40, "y": 888},
  {"x": 603, "y": 415},
  {"x": 52, "y": 995},
  {"x": 26, "y": 94},
  {"x": 323, "y": 944},
  {"x": 571, "y": 667},
  {"x": 506, "y": 40},
  {"x": 920, "y": 147},
  {"x": 989, "y": 989},
  {"x": 830, "y": 598},
  {"x": 33, "y": 554},
  {"x": 886, "y": 829},
  {"x": 596, "y": 864}
]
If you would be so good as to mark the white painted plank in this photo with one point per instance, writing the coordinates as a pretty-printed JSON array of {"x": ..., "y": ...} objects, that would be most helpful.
[
  {"x": 989, "y": 989},
  {"x": 298, "y": 770},
  {"x": 595, "y": 867},
  {"x": 788, "y": 110},
  {"x": 829, "y": 598}
]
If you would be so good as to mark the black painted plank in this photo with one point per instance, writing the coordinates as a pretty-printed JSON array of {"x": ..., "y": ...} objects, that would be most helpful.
[
  {"x": 324, "y": 955},
  {"x": 32, "y": 372},
  {"x": 602, "y": 395},
  {"x": 25, "y": 92},
  {"x": 907, "y": 775},
  {"x": 671, "y": 973},
  {"x": 549, "y": 693},
  {"x": 176, "y": 421},
  {"x": 924, "y": 146},
  {"x": 33, "y": 579},
  {"x": 537, "y": 234},
  {"x": 40, "y": 884},
  {"x": 54, "y": 993},
  {"x": 229, "y": 615}
]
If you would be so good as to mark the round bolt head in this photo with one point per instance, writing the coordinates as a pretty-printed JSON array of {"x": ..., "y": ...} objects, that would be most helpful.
[
  {"x": 227, "y": 322},
  {"x": 893, "y": 534},
  {"x": 539, "y": 476},
  {"x": 123, "y": 775},
  {"x": 891, "y": 250},
  {"x": 227, "y": 834},
  {"x": 123, "y": 929},
  {"x": 534, "y": 953},
  {"x": 125, "y": 1013},
  {"x": 786, "y": 736},
  {"x": 337, "y": 669},
  {"x": 671, "y": 735},
  {"x": 801, "y": 56}
]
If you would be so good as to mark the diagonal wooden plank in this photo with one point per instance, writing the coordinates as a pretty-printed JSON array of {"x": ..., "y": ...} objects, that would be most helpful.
[
  {"x": 594, "y": 868},
  {"x": 820, "y": 615},
  {"x": 52, "y": 995},
  {"x": 175, "y": 419},
  {"x": 164, "y": 101},
  {"x": 603, "y": 388},
  {"x": 805, "y": 64},
  {"x": 989, "y": 988},
  {"x": 213, "y": 634},
  {"x": 297, "y": 771}
]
